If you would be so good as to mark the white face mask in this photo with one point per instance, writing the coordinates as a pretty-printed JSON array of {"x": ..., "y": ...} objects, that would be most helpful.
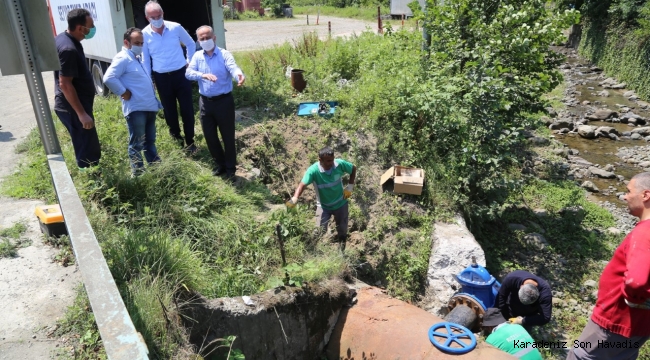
[
  {"x": 136, "y": 50},
  {"x": 207, "y": 45},
  {"x": 157, "y": 23}
]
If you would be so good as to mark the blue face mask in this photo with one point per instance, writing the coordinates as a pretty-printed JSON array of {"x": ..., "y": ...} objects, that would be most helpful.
[
  {"x": 136, "y": 50},
  {"x": 157, "y": 23},
  {"x": 91, "y": 33}
]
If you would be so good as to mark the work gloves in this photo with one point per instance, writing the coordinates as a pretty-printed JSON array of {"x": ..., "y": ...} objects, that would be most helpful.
[
  {"x": 347, "y": 192},
  {"x": 518, "y": 320},
  {"x": 292, "y": 203}
]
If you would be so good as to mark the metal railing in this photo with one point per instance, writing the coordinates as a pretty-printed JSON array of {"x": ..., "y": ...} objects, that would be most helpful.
[{"x": 119, "y": 336}]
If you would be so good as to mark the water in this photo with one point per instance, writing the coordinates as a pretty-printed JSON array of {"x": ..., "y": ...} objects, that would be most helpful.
[{"x": 583, "y": 85}]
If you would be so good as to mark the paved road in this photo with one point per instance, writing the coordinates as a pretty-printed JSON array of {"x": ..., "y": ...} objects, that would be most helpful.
[
  {"x": 251, "y": 35},
  {"x": 34, "y": 291}
]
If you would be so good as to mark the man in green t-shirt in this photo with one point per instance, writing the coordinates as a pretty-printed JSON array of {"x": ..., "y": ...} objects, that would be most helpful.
[
  {"x": 511, "y": 338},
  {"x": 331, "y": 198}
]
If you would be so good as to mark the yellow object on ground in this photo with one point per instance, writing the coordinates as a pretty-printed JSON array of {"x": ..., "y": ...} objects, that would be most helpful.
[{"x": 49, "y": 214}]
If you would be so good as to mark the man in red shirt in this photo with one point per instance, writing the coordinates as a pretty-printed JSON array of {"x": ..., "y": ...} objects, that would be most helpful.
[{"x": 620, "y": 323}]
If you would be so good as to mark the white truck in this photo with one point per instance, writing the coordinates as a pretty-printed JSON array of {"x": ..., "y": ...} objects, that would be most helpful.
[{"x": 113, "y": 17}]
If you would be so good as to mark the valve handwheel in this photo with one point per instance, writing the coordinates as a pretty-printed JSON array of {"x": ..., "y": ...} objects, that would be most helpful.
[{"x": 450, "y": 334}]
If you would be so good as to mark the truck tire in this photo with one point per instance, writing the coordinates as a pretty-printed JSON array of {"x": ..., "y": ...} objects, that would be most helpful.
[{"x": 97, "y": 71}]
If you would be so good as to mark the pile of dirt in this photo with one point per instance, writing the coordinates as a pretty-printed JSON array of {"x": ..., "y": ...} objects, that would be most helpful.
[{"x": 281, "y": 150}]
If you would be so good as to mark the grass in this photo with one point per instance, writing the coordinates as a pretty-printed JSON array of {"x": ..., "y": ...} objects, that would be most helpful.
[
  {"x": 10, "y": 240},
  {"x": 554, "y": 98},
  {"x": 79, "y": 322},
  {"x": 577, "y": 244},
  {"x": 15, "y": 231},
  {"x": 177, "y": 227}
]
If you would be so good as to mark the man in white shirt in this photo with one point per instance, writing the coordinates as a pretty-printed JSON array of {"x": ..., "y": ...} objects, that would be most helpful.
[
  {"x": 162, "y": 56},
  {"x": 214, "y": 68},
  {"x": 127, "y": 78}
]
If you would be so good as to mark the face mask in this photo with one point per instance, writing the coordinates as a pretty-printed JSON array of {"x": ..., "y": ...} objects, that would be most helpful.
[
  {"x": 157, "y": 23},
  {"x": 91, "y": 33},
  {"x": 207, "y": 45},
  {"x": 136, "y": 50}
]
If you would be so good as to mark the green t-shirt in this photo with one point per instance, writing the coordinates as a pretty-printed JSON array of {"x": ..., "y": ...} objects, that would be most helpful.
[
  {"x": 329, "y": 187},
  {"x": 515, "y": 340}
]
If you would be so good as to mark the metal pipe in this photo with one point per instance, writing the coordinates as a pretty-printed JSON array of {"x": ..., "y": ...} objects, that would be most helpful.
[{"x": 462, "y": 315}]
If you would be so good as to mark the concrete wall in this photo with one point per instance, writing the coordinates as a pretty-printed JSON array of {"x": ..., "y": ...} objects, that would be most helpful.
[
  {"x": 451, "y": 252},
  {"x": 289, "y": 323}
]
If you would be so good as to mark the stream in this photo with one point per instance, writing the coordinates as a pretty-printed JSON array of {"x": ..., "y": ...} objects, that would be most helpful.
[{"x": 614, "y": 148}]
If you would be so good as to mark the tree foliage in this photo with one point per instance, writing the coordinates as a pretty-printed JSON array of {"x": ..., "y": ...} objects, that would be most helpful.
[
  {"x": 632, "y": 13},
  {"x": 486, "y": 68}
]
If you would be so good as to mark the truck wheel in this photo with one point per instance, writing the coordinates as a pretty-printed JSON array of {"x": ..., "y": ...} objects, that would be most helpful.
[{"x": 97, "y": 72}]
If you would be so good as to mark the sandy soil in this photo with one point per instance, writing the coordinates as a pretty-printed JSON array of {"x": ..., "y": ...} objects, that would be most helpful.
[{"x": 250, "y": 35}]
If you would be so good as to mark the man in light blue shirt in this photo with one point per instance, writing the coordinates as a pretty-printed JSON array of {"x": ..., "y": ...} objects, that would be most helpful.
[
  {"x": 162, "y": 56},
  {"x": 214, "y": 68},
  {"x": 127, "y": 77}
]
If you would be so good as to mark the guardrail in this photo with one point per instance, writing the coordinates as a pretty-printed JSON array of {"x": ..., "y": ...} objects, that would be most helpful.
[{"x": 119, "y": 336}]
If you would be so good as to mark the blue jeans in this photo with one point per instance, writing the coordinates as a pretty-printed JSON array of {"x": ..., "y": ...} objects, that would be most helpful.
[{"x": 142, "y": 136}]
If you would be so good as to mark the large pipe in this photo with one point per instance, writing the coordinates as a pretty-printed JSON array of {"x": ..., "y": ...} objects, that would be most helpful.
[
  {"x": 462, "y": 315},
  {"x": 381, "y": 327}
]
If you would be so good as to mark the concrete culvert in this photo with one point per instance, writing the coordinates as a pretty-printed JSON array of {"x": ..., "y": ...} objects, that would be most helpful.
[{"x": 282, "y": 323}]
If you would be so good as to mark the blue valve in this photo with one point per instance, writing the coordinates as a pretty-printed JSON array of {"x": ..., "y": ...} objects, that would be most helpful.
[{"x": 455, "y": 333}]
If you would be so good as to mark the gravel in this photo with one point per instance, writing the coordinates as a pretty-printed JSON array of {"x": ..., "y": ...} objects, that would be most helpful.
[{"x": 252, "y": 35}]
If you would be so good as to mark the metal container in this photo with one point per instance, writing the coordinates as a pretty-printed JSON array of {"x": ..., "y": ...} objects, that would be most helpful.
[{"x": 298, "y": 80}]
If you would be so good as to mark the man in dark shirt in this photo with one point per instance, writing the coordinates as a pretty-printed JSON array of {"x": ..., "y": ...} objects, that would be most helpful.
[
  {"x": 74, "y": 88},
  {"x": 525, "y": 299}
]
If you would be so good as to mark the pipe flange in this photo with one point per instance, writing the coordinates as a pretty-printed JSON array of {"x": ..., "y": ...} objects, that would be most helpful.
[{"x": 471, "y": 302}]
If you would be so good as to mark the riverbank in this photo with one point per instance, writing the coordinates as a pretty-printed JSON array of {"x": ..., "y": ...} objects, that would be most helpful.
[{"x": 590, "y": 153}]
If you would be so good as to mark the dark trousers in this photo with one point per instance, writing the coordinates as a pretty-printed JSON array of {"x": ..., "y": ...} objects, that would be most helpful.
[
  {"x": 219, "y": 115},
  {"x": 84, "y": 141},
  {"x": 586, "y": 346},
  {"x": 174, "y": 86},
  {"x": 340, "y": 218}
]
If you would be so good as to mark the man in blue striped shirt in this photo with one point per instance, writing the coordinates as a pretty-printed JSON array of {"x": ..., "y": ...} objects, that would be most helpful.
[
  {"x": 162, "y": 46},
  {"x": 127, "y": 78},
  {"x": 214, "y": 68}
]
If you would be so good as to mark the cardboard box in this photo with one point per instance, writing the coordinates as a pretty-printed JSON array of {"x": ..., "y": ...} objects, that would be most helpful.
[{"x": 407, "y": 180}]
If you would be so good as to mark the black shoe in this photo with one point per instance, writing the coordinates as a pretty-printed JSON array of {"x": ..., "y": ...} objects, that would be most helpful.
[
  {"x": 192, "y": 149},
  {"x": 230, "y": 177},
  {"x": 218, "y": 171}
]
